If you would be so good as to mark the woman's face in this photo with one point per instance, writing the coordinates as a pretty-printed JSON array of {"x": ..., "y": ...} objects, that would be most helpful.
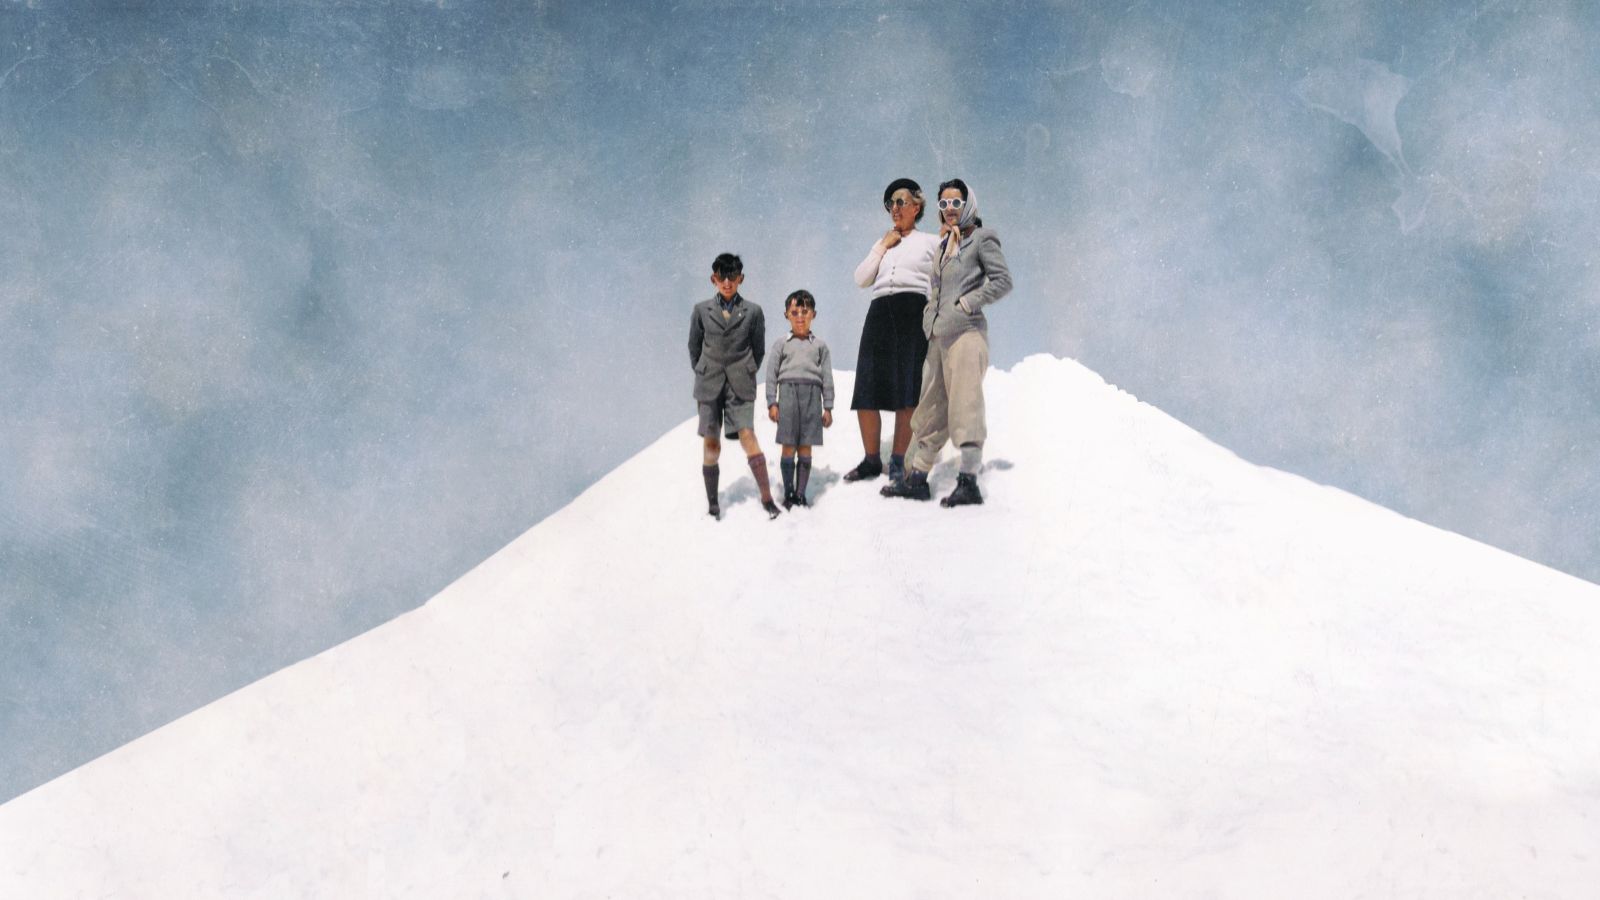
[
  {"x": 952, "y": 215},
  {"x": 903, "y": 209}
]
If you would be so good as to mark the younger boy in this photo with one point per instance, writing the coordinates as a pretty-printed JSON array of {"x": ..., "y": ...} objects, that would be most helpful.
[
  {"x": 799, "y": 365},
  {"x": 726, "y": 344}
]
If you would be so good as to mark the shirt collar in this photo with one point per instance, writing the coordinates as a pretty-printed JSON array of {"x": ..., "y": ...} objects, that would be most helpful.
[
  {"x": 810, "y": 336},
  {"x": 730, "y": 304}
]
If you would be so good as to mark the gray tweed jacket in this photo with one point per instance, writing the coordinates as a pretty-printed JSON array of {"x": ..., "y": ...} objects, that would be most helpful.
[
  {"x": 726, "y": 351},
  {"x": 978, "y": 273}
]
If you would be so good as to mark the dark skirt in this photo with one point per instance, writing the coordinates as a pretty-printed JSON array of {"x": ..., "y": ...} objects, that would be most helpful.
[{"x": 889, "y": 363}]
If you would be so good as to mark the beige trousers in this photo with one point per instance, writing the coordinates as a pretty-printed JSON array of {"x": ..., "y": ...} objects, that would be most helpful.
[{"x": 951, "y": 405}]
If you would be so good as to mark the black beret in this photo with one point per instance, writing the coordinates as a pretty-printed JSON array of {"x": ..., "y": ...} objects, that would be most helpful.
[{"x": 899, "y": 183}]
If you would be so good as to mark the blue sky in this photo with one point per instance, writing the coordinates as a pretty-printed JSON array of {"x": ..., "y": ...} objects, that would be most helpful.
[{"x": 305, "y": 311}]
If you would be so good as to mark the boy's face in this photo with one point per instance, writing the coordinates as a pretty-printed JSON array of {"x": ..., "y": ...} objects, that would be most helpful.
[
  {"x": 799, "y": 318},
  {"x": 727, "y": 287}
]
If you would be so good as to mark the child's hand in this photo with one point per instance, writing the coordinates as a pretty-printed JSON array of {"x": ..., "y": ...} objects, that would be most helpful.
[
  {"x": 827, "y": 418},
  {"x": 772, "y": 412},
  {"x": 890, "y": 238}
]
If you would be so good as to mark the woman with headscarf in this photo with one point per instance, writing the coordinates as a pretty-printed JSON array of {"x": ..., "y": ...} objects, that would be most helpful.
[
  {"x": 969, "y": 273},
  {"x": 893, "y": 348}
]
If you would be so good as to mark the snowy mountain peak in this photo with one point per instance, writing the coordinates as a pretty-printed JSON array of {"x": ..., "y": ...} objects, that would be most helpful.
[{"x": 1143, "y": 668}]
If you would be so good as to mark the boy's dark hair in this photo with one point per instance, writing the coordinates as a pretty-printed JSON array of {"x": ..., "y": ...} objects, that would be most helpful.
[
  {"x": 803, "y": 298},
  {"x": 961, "y": 186},
  {"x": 727, "y": 265}
]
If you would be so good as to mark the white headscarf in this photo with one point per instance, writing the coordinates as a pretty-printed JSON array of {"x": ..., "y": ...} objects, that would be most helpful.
[{"x": 969, "y": 212}]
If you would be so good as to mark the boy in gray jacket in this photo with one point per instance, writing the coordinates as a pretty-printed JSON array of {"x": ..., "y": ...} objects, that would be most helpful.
[
  {"x": 800, "y": 367},
  {"x": 727, "y": 337}
]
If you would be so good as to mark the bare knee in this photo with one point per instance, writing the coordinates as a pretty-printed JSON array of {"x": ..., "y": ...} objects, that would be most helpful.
[{"x": 747, "y": 440}]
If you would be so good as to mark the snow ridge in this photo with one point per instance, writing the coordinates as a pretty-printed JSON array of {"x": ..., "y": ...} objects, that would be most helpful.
[{"x": 1143, "y": 668}]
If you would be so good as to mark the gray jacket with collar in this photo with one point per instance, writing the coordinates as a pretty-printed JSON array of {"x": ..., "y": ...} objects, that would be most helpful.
[
  {"x": 977, "y": 274},
  {"x": 726, "y": 351}
]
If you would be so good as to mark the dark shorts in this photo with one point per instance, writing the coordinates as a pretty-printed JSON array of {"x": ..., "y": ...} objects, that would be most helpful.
[
  {"x": 733, "y": 414},
  {"x": 799, "y": 414},
  {"x": 893, "y": 348}
]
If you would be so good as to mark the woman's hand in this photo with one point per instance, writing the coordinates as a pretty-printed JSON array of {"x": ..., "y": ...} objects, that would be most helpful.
[{"x": 890, "y": 238}]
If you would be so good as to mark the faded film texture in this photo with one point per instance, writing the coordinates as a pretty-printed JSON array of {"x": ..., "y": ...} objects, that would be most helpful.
[{"x": 305, "y": 309}]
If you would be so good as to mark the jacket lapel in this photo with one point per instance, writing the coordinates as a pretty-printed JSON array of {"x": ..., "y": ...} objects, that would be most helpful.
[{"x": 713, "y": 320}]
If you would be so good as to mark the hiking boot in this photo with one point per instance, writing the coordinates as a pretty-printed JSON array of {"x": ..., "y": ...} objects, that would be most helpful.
[
  {"x": 871, "y": 467},
  {"x": 772, "y": 509},
  {"x": 965, "y": 494},
  {"x": 912, "y": 488}
]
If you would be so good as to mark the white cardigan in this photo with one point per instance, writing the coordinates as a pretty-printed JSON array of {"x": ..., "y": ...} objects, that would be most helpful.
[{"x": 907, "y": 266}]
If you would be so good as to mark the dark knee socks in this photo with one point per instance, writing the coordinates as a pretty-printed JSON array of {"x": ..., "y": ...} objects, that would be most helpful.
[
  {"x": 787, "y": 465},
  {"x": 711, "y": 473},
  {"x": 758, "y": 468},
  {"x": 802, "y": 474}
]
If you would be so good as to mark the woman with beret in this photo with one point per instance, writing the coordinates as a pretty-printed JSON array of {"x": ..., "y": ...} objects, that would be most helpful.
[{"x": 893, "y": 348}]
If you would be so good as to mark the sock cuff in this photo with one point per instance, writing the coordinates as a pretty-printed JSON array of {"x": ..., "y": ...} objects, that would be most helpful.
[{"x": 971, "y": 458}]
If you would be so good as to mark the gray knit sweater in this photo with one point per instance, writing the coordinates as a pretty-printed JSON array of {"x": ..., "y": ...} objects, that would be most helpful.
[{"x": 799, "y": 359}]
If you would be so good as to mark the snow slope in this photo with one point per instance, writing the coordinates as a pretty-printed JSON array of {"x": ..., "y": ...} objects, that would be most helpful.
[{"x": 1145, "y": 668}]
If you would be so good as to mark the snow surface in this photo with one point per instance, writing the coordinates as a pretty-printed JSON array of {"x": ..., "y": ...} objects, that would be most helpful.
[{"x": 1146, "y": 668}]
